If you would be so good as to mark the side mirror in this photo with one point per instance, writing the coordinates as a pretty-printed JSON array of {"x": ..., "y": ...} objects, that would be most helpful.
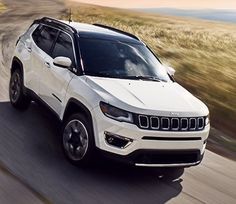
[
  {"x": 63, "y": 62},
  {"x": 170, "y": 70}
]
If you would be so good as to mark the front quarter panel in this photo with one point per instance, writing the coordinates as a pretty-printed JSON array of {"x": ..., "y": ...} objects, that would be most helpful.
[{"x": 81, "y": 91}]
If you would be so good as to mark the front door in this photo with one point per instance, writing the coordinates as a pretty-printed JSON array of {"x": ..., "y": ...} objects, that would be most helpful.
[{"x": 55, "y": 80}]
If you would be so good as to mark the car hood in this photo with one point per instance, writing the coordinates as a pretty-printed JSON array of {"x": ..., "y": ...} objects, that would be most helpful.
[{"x": 162, "y": 97}]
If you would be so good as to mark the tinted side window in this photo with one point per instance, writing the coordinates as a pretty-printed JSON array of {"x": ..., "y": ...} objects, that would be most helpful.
[
  {"x": 45, "y": 38},
  {"x": 64, "y": 47},
  {"x": 36, "y": 33}
]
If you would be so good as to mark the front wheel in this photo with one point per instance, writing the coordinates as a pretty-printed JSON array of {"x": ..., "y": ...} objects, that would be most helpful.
[
  {"x": 77, "y": 140},
  {"x": 17, "y": 97}
]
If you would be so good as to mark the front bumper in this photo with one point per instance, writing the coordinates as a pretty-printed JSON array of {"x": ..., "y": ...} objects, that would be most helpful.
[
  {"x": 161, "y": 149},
  {"x": 157, "y": 158}
]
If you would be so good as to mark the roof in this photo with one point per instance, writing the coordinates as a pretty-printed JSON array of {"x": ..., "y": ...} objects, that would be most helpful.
[
  {"x": 101, "y": 32},
  {"x": 98, "y": 31}
]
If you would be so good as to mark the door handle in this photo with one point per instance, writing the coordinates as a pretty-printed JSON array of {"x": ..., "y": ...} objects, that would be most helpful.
[
  {"x": 29, "y": 49},
  {"x": 47, "y": 64}
]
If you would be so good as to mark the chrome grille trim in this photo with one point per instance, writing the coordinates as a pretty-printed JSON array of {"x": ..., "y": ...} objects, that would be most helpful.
[
  {"x": 151, "y": 123},
  {"x": 195, "y": 121},
  {"x": 165, "y": 123},
  {"x": 200, "y": 127},
  {"x": 143, "y": 116},
  {"x": 181, "y": 122},
  {"x": 162, "y": 119},
  {"x": 172, "y": 119}
]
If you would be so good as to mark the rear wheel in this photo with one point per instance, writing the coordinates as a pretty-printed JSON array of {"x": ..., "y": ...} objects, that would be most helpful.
[
  {"x": 77, "y": 140},
  {"x": 17, "y": 98}
]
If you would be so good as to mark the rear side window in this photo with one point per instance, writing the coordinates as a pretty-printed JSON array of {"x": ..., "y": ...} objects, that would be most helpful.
[
  {"x": 64, "y": 47},
  {"x": 44, "y": 37}
]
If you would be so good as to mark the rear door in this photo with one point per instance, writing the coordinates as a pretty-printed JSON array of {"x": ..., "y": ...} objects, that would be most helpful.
[
  {"x": 55, "y": 80},
  {"x": 42, "y": 40}
]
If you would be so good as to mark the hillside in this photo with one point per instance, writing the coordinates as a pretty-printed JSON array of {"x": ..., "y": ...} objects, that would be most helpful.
[
  {"x": 202, "y": 52},
  {"x": 207, "y": 14}
]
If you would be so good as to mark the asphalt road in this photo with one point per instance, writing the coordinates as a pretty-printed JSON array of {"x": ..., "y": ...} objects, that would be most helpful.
[{"x": 30, "y": 148}]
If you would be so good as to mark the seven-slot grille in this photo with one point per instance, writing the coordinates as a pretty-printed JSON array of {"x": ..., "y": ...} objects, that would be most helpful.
[{"x": 170, "y": 123}]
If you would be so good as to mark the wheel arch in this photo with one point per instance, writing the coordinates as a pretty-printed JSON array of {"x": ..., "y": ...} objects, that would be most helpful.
[
  {"x": 16, "y": 64},
  {"x": 75, "y": 106}
]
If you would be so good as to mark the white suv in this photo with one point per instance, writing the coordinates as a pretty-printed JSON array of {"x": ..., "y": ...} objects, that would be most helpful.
[{"x": 111, "y": 93}]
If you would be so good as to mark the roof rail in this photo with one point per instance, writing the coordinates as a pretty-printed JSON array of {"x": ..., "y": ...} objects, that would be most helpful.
[
  {"x": 117, "y": 30},
  {"x": 57, "y": 22}
]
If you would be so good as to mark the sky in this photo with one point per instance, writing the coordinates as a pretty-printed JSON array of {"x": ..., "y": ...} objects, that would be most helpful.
[{"x": 183, "y": 4}]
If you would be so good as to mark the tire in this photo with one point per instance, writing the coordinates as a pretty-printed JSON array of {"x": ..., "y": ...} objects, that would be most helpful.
[
  {"x": 17, "y": 97},
  {"x": 78, "y": 140}
]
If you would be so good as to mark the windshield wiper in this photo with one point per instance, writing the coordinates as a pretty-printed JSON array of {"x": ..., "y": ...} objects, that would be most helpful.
[
  {"x": 151, "y": 78},
  {"x": 137, "y": 77}
]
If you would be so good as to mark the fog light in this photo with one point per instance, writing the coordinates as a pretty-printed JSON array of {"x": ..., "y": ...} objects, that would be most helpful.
[{"x": 117, "y": 140}]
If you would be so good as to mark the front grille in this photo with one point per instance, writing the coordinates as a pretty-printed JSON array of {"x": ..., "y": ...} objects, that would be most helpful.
[{"x": 170, "y": 123}]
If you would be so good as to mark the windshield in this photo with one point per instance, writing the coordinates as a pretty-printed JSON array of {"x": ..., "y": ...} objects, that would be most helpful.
[{"x": 118, "y": 59}]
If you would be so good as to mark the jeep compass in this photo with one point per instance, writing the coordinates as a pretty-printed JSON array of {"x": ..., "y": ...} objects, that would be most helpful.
[{"x": 111, "y": 93}]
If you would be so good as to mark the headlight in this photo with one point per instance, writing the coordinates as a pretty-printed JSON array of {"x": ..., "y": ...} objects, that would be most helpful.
[
  {"x": 116, "y": 113},
  {"x": 207, "y": 120}
]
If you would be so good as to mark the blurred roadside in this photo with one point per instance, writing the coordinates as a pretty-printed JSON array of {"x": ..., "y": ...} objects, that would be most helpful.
[{"x": 2, "y": 7}]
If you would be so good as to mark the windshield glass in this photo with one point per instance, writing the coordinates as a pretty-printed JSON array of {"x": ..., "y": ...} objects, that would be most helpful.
[{"x": 120, "y": 60}]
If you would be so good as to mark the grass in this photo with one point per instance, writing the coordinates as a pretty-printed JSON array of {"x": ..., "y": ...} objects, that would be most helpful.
[
  {"x": 202, "y": 52},
  {"x": 2, "y": 7}
]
